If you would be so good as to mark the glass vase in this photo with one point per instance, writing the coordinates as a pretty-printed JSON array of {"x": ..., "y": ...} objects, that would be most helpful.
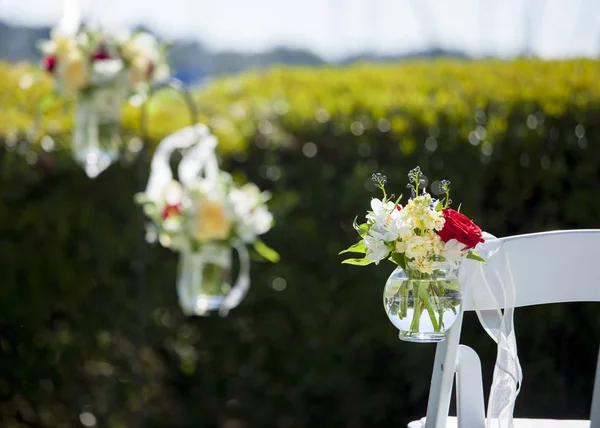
[
  {"x": 96, "y": 134},
  {"x": 204, "y": 279},
  {"x": 423, "y": 306}
]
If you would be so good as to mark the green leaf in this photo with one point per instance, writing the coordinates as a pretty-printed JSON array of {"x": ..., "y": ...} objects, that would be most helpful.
[
  {"x": 474, "y": 256},
  {"x": 399, "y": 259},
  {"x": 359, "y": 247},
  {"x": 362, "y": 229},
  {"x": 438, "y": 206},
  {"x": 398, "y": 200},
  {"x": 357, "y": 262},
  {"x": 141, "y": 198},
  {"x": 265, "y": 251}
]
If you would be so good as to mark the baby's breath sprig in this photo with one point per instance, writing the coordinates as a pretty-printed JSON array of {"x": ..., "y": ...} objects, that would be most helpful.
[
  {"x": 380, "y": 180},
  {"x": 416, "y": 180},
  {"x": 445, "y": 187}
]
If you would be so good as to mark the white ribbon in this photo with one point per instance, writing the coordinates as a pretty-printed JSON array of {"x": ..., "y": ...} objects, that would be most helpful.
[
  {"x": 199, "y": 161},
  {"x": 70, "y": 18},
  {"x": 494, "y": 283},
  {"x": 200, "y": 157}
]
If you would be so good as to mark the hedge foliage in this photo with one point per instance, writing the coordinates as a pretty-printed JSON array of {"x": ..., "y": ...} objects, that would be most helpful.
[{"x": 310, "y": 345}]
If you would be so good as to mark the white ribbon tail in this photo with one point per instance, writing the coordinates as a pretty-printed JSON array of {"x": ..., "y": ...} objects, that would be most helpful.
[
  {"x": 242, "y": 284},
  {"x": 493, "y": 284},
  {"x": 70, "y": 18}
]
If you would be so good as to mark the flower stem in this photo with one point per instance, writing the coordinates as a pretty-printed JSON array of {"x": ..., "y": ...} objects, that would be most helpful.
[
  {"x": 404, "y": 307},
  {"x": 430, "y": 311},
  {"x": 414, "y": 325}
]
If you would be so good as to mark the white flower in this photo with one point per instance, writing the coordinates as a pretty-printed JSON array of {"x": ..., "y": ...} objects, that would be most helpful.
[
  {"x": 172, "y": 224},
  {"x": 453, "y": 252},
  {"x": 401, "y": 227},
  {"x": 433, "y": 220},
  {"x": 141, "y": 44},
  {"x": 400, "y": 247},
  {"x": 74, "y": 70},
  {"x": 252, "y": 216},
  {"x": 436, "y": 243},
  {"x": 381, "y": 211},
  {"x": 376, "y": 249},
  {"x": 106, "y": 71},
  {"x": 140, "y": 69},
  {"x": 380, "y": 232},
  {"x": 420, "y": 213},
  {"x": 424, "y": 265},
  {"x": 383, "y": 218},
  {"x": 59, "y": 44},
  {"x": 418, "y": 246},
  {"x": 256, "y": 223}
]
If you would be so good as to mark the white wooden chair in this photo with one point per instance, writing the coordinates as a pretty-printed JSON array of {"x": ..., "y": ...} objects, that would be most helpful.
[{"x": 550, "y": 267}]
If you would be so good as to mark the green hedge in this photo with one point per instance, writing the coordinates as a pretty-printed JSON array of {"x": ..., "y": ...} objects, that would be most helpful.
[{"x": 78, "y": 334}]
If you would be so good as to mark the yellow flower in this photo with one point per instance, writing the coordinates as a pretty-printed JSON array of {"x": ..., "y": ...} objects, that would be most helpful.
[
  {"x": 139, "y": 70},
  {"x": 74, "y": 70},
  {"x": 59, "y": 44},
  {"x": 212, "y": 222}
]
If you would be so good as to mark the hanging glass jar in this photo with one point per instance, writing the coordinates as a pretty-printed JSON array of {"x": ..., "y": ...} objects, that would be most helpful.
[
  {"x": 204, "y": 279},
  {"x": 96, "y": 136}
]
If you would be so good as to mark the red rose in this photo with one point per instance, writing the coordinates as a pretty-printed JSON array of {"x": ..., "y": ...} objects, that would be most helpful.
[
  {"x": 170, "y": 210},
  {"x": 49, "y": 63},
  {"x": 461, "y": 228},
  {"x": 101, "y": 54}
]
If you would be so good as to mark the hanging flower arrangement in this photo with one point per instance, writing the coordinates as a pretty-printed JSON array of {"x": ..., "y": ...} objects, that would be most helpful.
[
  {"x": 204, "y": 216},
  {"x": 101, "y": 71}
]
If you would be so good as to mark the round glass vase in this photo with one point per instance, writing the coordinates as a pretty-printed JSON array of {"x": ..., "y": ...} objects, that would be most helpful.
[
  {"x": 204, "y": 279},
  {"x": 423, "y": 306},
  {"x": 96, "y": 135}
]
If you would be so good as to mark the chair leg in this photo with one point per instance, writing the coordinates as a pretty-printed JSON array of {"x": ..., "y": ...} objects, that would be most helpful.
[
  {"x": 470, "y": 407},
  {"x": 443, "y": 377},
  {"x": 595, "y": 413}
]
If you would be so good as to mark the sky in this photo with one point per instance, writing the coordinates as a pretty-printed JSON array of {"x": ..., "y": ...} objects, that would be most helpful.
[{"x": 337, "y": 28}]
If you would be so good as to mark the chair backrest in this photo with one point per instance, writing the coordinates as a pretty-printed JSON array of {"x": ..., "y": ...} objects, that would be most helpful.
[{"x": 548, "y": 267}]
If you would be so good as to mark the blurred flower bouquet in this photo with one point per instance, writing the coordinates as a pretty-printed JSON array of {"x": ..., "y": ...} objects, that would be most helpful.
[
  {"x": 204, "y": 221},
  {"x": 101, "y": 71},
  {"x": 206, "y": 213},
  {"x": 427, "y": 240}
]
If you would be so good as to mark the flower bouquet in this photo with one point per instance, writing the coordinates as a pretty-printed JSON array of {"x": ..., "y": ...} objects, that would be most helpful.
[
  {"x": 427, "y": 240},
  {"x": 101, "y": 71},
  {"x": 204, "y": 222}
]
